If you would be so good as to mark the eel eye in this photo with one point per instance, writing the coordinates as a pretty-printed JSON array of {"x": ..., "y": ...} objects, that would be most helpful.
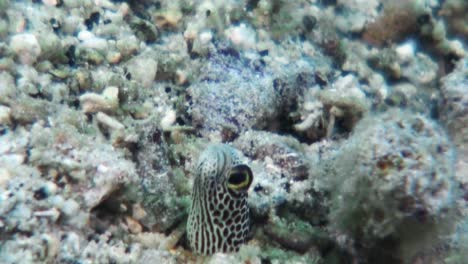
[{"x": 240, "y": 178}]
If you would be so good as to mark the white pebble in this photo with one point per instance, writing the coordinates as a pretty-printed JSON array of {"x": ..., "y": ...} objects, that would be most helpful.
[
  {"x": 111, "y": 93},
  {"x": 78, "y": 175},
  {"x": 85, "y": 35},
  {"x": 71, "y": 24},
  {"x": 168, "y": 119},
  {"x": 49, "y": 2},
  {"x": 143, "y": 70},
  {"x": 26, "y": 47},
  {"x": 241, "y": 36},
  {"x": 13, "y": 159},
  {"x": 205, "y": 37},
  {"x": 107, "y": 101},
  {"x": 5, "y": 115},
  {"x": 5, "y": 176},
  {"x": 52, "y": 214},
  {"x": 70, "y": 207},
  {"x": 128, "y": 45},
  {"x": 124, "y": 9},
  {"x": 50, "y": 187},
  {"x": 113, "y": 57},
  {"x": 109, "y": 122},
  {"x": 101, "y": 168},
  {"x": 407, "y": 89},
  {"x": 72, "y": 243},
  {"x": 95, "y": 43},
  {"x": 56, "y": 200},
  {"x": 456, "y": 46},
  {"x": 405, "y": 51}
]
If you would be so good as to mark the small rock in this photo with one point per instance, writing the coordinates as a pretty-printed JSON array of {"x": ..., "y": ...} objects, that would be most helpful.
[
  {"x": 109, "y": 122},
  {"x": 53, "y": 214},
  {"x": 157, "y": 256},
  {"x": 143, "y": 70},
  {"x": 71, "y": 243},
  {"x": 407, "y": 89},
  {"x": 95, "y": 43},
  {"x": 5, "y": 115},
  {"x": 150, "y": 239},
  {"x": 168, "y": 120},
  {"x": 205, "y": 37},
  {"x": 421, "y": 69},
  {"x": 71, "y": 23},
  {"x": 241, "y": 36},
  {"x": 7, "y": 86},
  {"x": 70, "y": 207},
  {"x": 202, "y": 42},
  {"x": 78, "y": 175},
  {"x": 108, "y": 101},
  {"x": 50, "y": 187},
  {"x": 50, "y": 2},
  {"x": 92, "y": 56},
  {"x": 456, "y": 46},
  {"x": 84, "y": 79},
  {"x": 51, "y": 47},
  {"x": 85, "y": 35},
  {"x": 52, "y": 246},
  {"x": 144, "y": 30},
  {"x": 28, "y": 110},
  {"x": 405, "y": 51},
  {"x": 168, "y": 18},
  {"x": 113, "y": 57},
  {"x": 128, "y": 46},
  {"x": 5, "y": 176},
  {"x": 26, "y": 47},
  {"x": 138, "y": 211},
  {"x": 124, "y": 9},
  {"x": 133, "y": 225}
]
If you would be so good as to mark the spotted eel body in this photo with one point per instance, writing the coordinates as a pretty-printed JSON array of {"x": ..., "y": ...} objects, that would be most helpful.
[{"x": 219, "y": 215}]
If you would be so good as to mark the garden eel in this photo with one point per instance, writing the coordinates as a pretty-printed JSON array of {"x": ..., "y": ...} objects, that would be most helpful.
[{"x": 219, "y": 215}]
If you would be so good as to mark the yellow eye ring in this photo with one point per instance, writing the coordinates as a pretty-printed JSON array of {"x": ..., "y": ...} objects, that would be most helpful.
[{"x": 240, "y": 178}]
